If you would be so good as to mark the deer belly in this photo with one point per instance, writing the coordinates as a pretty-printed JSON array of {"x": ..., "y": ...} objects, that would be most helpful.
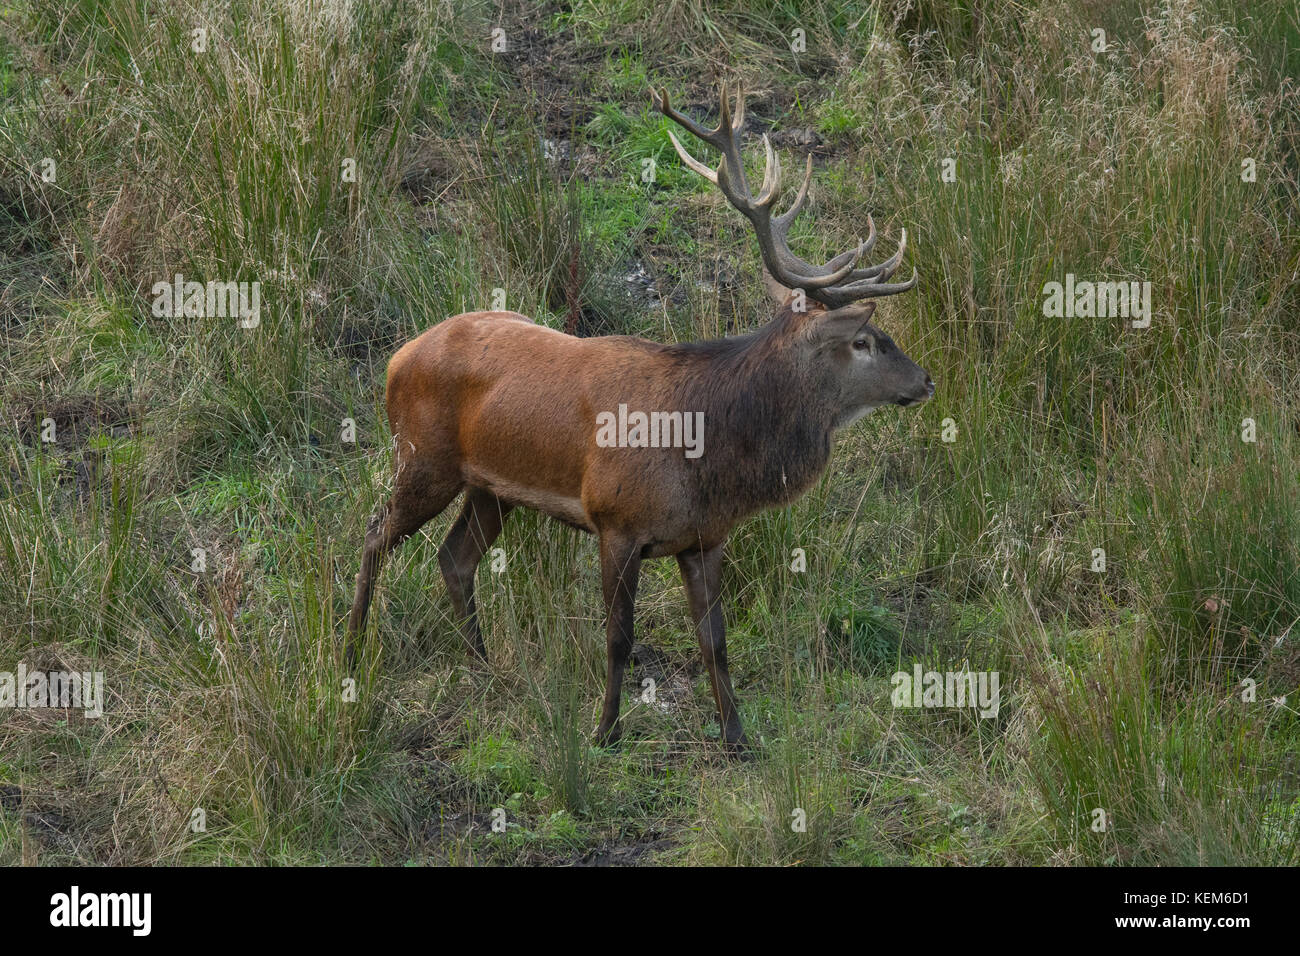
[{"x": 557, "y": 503}]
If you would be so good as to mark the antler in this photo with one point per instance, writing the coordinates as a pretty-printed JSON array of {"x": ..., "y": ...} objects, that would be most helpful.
[{"x": 834, "y": 283}]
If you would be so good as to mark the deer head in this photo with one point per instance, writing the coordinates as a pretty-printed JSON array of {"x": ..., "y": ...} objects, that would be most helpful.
[{"x": 833, "y": 329}]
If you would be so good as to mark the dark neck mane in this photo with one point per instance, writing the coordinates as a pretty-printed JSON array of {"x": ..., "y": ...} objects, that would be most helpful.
[{"x": 767, "y": 423}]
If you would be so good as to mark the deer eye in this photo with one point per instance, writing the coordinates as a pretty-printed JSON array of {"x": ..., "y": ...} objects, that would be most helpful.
[{"x": 862, "y": 345}]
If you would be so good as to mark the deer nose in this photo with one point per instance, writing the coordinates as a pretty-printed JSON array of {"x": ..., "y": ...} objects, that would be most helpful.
[{"x": 929, "y": 386}]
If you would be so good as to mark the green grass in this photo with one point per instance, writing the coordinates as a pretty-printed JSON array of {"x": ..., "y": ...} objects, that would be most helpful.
[{"x": 1161, "y": 691}]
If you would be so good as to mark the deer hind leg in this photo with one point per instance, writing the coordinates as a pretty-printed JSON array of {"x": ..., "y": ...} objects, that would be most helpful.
[
  {"x": 479, "y": 524},
  {"x": 702, "y": 576},
  {"x": 620, "y": 567},
  {"x": 412, "y": 504}
]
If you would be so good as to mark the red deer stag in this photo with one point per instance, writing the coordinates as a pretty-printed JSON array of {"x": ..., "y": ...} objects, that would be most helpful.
[{"x": 514, "y": 413}]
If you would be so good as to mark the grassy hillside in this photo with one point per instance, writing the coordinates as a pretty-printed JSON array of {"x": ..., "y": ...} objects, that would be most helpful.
[{"x": 183, "y": 500}]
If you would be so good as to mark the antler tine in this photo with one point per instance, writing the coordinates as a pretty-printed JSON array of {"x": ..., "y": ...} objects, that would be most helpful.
[
  {"x": 660, "y": 101},
  {"x": 871, "y": 232},
  {"x": 782, "y": 222},
  {"x": 882, "y": 270},
  {"x": 692, "y": 162},
  {"x": 771, "y": 176},
  {"x": 728, "y": 141},
  {"x": 885, "y": 269}
]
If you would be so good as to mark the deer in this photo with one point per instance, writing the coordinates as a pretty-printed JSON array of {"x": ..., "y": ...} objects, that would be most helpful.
[{"x": 507, "y": 410}]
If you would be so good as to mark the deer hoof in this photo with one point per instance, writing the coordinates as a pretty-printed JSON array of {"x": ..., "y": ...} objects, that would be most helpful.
[
  {"x": 608, "y": 736},
  {"x": 740, "y": 750}
]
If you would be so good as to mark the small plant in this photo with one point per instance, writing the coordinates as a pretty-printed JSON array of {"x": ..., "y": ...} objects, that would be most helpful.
[{"x": 869, "y": 636}]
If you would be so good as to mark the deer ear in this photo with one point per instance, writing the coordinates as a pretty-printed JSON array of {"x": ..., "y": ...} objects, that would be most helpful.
[
  {"x": 776, "y": 292},
  {"x": 841, "y": 323}
]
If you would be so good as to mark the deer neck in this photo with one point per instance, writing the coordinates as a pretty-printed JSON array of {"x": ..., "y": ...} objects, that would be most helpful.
[{"x": 770, "y": 419}]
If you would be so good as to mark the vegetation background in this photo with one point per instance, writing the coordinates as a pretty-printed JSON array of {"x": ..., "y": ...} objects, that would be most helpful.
[{"x": 521, "y": 170}]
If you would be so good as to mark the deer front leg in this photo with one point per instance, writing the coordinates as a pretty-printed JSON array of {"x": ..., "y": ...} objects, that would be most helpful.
[
  {"x": 620, "y": 567},
  {"x": 702, "y": 575}
]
